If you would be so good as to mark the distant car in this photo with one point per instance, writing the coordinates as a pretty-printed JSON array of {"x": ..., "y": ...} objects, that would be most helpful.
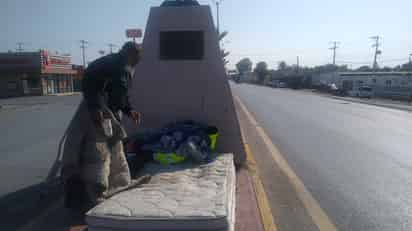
[
  {"x": 273, "y": 84},
  {"x": 282, "y": 85},
  {"x": 333, "y": 87},
  {"x": 341, "y": 92},
  {"x": 365, "y": 92}
]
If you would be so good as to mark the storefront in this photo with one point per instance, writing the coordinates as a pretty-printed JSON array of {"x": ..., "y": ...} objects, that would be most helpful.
[{"x": 37, "y": 73}]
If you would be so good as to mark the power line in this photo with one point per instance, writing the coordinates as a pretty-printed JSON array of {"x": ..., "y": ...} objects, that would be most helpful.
[
  {"x": 111, "y": 46},
  {"x": 366, "y": 62},
  {"x": 20, "y": 47},
  {"x": 334, "y": 51},
  {"x": 377, "y": 51},
  {"x": 83, "y": 46}
]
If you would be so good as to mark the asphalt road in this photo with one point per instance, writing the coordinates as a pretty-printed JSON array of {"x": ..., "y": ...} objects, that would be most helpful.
[
  {"x": 355, "y": 159},
  {"x": 31, "y": 128}
]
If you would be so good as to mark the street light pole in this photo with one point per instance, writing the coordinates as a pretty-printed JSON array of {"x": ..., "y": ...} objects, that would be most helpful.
[
  {"x": 111, "y": 46},
  {"x": 297, "y": 64},
  {"x": 20, "y": 47},
  {"x": 218, "y": 15},
  {"x": 334, "y": 51},
  {"x": 83, "y": 44},
  {"x": 377, "y": 51}
]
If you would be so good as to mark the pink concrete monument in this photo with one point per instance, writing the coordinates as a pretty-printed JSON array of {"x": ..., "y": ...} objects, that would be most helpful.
[{"x": 182, "y": 77}]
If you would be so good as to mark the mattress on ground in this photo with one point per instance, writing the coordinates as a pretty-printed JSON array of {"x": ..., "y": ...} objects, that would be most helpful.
[{"x": 180, "y": 197}]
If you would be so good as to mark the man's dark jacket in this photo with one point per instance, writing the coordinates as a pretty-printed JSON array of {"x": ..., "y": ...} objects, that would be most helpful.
[{"x": 106, "y": 83}]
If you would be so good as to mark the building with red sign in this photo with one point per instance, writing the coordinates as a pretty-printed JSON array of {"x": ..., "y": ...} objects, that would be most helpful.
[{"x": 37, "y": 73}]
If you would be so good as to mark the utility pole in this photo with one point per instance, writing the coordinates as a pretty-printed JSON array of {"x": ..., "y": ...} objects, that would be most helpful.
[
  {"x": 334, "y": 51},
  {"x": 297, "y": 63},
  {"x": 111, "y": 46},
  {"x": 410, "y": 58},
  {"x": 20, "y": 47},
  {"x": 83, "y": 44},
  {"x": 377, "y": 51}
]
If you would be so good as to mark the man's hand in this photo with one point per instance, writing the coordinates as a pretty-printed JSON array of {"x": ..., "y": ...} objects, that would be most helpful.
[
  {"x": 97, "y": 117},
  {"x": 135, "y": 116}
]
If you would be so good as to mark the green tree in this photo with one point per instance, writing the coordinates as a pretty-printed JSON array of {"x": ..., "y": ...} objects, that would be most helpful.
[
  {"x": 386, "y": 69},
  {"x": 282, "y": 66},
  {"x": 364, "y": 69},
  {"x": 261, "y": 71},
  {"x": 343, "y": 68},
  {"x": 222, "y": 35},
  {"x": 244, "y": 65},
  {"x": 397, "y": 68},
  {"x": 406, "y": 67},
  {"x": 223, "y": 53}
]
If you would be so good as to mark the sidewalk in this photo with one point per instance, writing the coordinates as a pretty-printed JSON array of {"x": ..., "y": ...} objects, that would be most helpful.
[
  {"x": 66, "y": 94},
  {"x": 399, "y": 105},
  {"x": 13, "y": 103},
  {"x": 380, "y": 102}
]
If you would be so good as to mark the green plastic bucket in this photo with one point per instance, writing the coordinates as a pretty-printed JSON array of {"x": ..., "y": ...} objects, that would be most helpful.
[{"x": 213, "y": 135}]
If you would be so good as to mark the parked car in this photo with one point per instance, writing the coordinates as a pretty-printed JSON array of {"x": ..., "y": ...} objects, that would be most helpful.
[
  {"x": 365, "y": 92},
  {"x": 273, "y": 83},
  {"x": 341, "y": 92},
  {"x": 282, "y": 85}
]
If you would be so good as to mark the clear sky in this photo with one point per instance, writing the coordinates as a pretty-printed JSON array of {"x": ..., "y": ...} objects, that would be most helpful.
[{"x": 264, "y": 30}]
